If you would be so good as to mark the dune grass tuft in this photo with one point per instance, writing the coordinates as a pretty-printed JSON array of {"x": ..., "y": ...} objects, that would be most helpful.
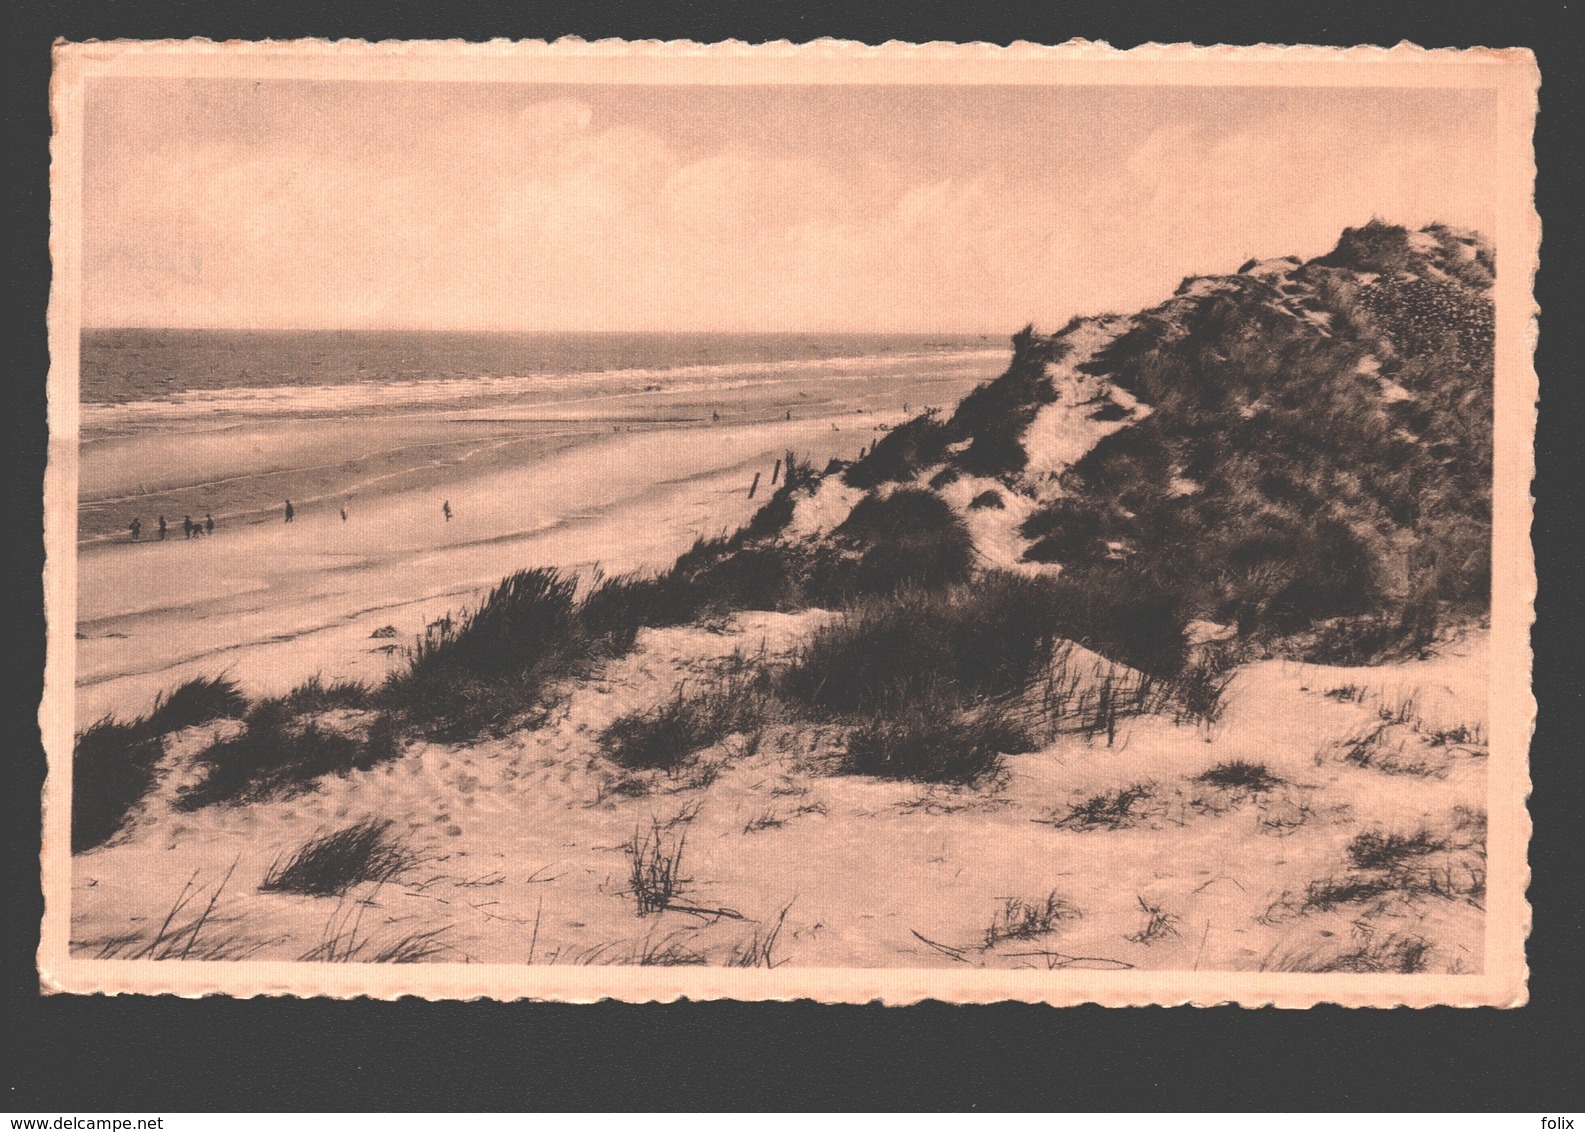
[
  {"x": 495, "y": 664},
  {"x": 669, "y": 735},
  {"x": 1159, "y": 924},
  {"x": 908, "y": 538},
  {"x": 275, "y": 754},
  {"x": 314, "y": 695},
  {"x": 1391, "y": 852},
  {"x": 345, "y": 941},
  {"x": 759, "y": 949},
  {"x": 655, "y": 879},
  {"x": 1020, "y": 919},
  {"x": 1109, "y": 809},
  {"x": 1392, "y": 954},
  {"x": 332, "y": 863},
  {"x": 192, "y": 929},
  {"x": 197, "y": 701},
  {"x": 931, "y": 741},
  {"x": 1240, "y": 775},
  {"x": 115, "y": 763},
  {"x": 113, "y": 768},
  {"x": 961, "y": 644}
]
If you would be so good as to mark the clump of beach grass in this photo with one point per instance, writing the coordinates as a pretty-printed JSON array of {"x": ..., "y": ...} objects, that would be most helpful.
[
  {"x": 665, "y": 737},
  {"x": 115, "y": 763},
  {"x": 1020, "y": 919},
  {"x": 655, "y": 877},
  {"x": 114, "y": 766},
  {"x": 330, "y": 864},
  {"x": 1390, "y": 954},
  {"x": 1108, "y": 809},
  {"x": 928, "y": 741},
  {"x": 1159, "y": 924},
  {"x": 275, "y": 754},
  {"x": 1240, "y": 776},
  {"x": 194, "y": 702}
]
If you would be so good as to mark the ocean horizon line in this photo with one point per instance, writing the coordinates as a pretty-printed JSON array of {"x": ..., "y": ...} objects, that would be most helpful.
[{"x": 998, "y": 332}]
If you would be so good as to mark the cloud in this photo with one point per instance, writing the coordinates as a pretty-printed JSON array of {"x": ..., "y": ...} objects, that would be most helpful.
[
  {"x": 554, "y": 121},
  {"x": 582, "y": 212}
]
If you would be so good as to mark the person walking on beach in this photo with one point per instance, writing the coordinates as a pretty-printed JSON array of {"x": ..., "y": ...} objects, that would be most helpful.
[
  {"x": 343, "y": 512},
  {"x": 445, "y": 509},
  {"x": 136, "y": 528},
  {"x": 289, "y": 512},
  {"x": 187, "y": 526},
  {"x": 162, "y": 528},
  {"x": 209, "y": 523}
]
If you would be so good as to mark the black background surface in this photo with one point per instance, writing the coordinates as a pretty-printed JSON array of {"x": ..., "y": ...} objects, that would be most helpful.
[{"x": 147, "y": 1055}]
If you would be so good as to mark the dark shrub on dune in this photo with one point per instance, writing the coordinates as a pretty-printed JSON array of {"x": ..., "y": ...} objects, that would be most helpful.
[
  {"x": 959, "y": 645},
  {"x": 113, "y": 767},
  {"x": 902, "y": 453},
  {"x": 908, "y": 538},
  {"x": 667, "y": 736},
  {"x": 199, "y": 700},
  {"x": 333, "y": 863},
  {"x": 276, "y": 754},
  {"x": 1125, "y": 613},
  {"x": 527, "y": 620},
  {"x": 495, "y": 663},
  {"x": 617, "y": 608},
  {"x": 931, "y": 741},
  {"x": 314, "y": 695},
  {"x": 1377, "y": 247},
  {"x": 995, "y": 415},
  {"x": 764, "y": 576},
  {"x": 114, "y": 764}
]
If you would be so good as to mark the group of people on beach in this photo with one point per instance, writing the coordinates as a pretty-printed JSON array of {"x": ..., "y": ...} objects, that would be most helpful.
[
  {"x": 291, "y": 512},
  {"x": 191, "y": 528}
]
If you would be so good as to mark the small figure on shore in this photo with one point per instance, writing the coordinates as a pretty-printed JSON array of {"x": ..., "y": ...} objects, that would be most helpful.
[
  {"x": 343, "y": 512},
  {"x": 289, "y": 512},
  {"x": 162, "y": 528},
  {"x": 445, "y": 509},
  {"x": 136, "y": 528},
  {"x": 209, "y": 523},
  {"x": 789, "y": 414},
  {"x": 187, "y": 526},
  {"x": 714, "y": 416}
]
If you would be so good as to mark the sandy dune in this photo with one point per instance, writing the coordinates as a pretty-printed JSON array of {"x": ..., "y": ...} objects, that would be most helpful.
[{"x": 519, "y": 842}]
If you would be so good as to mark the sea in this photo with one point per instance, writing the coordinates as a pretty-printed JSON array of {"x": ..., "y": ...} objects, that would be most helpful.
[{"x": 129, "y": 375}]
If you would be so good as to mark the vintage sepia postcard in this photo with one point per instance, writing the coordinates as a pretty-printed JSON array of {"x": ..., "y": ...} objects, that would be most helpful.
[{"x": 645, "y": 520}]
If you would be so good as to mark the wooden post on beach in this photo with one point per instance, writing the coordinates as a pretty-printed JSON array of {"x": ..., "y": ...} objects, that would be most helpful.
[
  {"x": 753, "y": 487},
  {"x": 776, "y": 471}
]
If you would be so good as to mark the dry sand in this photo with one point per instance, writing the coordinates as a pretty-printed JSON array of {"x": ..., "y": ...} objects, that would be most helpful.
[{"x": 520, "y": 841}]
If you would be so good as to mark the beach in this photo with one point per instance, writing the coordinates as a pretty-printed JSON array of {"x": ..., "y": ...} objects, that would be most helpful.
[{"x": 621, "y": 471}]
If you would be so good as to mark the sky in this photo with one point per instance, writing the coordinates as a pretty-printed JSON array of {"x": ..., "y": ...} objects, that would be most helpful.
[{"x": 947, "y": 209}]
